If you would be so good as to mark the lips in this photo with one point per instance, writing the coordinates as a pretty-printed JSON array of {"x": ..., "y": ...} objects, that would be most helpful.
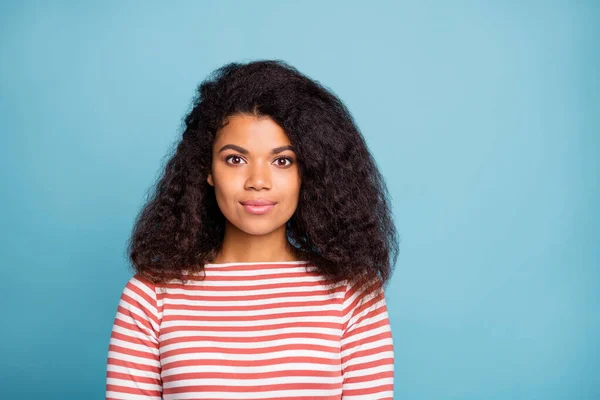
[
  {"x": 258, "y": 207},
  {"x": 260, "y": 202}
]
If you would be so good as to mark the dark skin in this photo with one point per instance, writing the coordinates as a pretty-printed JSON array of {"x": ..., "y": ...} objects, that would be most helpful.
[{"x": 253, "y": 159}]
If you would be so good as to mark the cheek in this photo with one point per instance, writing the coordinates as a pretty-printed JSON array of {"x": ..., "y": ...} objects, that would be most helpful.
[
  {"x": 225, "y": 186},
  {"x": 291, "y": 187},
  {"x": 227, "y": 189}
]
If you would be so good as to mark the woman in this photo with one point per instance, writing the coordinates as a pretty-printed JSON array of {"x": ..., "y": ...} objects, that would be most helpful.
[{"x": 261, "y": 259}]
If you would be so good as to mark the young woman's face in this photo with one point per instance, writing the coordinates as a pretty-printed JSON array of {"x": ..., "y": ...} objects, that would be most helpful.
[{"x": 253, "y": 162}]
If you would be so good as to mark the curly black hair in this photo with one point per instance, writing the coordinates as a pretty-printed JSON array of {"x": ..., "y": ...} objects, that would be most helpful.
[{"x": 343, "y": 223}]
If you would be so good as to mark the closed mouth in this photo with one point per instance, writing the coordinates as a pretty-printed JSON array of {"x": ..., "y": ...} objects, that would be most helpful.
[{"x": 257, "y": 203}]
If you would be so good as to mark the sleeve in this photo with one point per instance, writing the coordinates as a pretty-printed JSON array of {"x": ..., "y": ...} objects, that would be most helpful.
[
  {"x": 366, "y": 345},
  {"x": 133, "y": 365}
]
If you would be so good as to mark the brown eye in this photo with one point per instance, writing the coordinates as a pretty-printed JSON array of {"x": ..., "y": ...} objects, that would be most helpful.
[
  {"x": 284, "y": 159},
  {"x": 234, "y": 157}
]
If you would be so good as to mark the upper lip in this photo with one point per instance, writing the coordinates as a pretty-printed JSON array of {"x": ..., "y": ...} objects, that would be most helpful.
[{"x": 259, "y": 202}]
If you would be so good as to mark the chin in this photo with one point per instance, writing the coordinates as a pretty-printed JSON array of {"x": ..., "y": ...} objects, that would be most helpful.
[{"x": 258, "y": 230}]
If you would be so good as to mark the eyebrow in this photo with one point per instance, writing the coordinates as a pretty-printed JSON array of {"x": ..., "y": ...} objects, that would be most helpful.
[{"x": 244, "y": 151}]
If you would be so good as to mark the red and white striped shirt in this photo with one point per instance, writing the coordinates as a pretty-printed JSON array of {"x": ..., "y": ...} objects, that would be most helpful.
[{"x": 250, "y": 331}]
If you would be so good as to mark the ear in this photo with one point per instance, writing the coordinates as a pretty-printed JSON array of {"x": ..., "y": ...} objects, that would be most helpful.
[{"x": 210, "y": 181}]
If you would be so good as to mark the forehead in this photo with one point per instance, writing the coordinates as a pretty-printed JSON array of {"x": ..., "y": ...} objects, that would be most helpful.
[{"x": 251, "y": 132}]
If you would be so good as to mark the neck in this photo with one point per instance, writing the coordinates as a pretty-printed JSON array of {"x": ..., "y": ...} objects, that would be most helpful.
[{"x": 239, "y": 246}]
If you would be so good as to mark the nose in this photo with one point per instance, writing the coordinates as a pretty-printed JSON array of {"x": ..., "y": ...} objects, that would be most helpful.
[{"x": 259, "y": 177}]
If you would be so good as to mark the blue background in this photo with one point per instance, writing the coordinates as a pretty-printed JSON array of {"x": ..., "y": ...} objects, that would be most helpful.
[{"x": 484, "y": 119}]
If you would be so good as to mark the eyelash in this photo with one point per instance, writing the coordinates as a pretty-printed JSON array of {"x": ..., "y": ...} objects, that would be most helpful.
[{"x": 278, "y": 158}]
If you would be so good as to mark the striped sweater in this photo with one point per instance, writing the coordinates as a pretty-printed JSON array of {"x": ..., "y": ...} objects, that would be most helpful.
[{"x": 265, "y": 330}]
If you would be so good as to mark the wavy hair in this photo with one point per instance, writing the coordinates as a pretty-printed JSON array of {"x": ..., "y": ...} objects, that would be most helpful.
[{"x": 343, "y": 223}]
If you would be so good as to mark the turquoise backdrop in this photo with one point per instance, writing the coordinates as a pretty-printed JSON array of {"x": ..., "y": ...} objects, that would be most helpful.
[{"x": 484, "y": 118}]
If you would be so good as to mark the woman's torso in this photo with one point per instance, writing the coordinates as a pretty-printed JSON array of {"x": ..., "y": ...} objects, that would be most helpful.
[{"x": 272, "y": 329}]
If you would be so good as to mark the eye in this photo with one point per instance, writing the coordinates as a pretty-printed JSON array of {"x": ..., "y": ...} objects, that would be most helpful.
[
  {"x": 280, "y": 164},
  {"x": 233, "y": 157},
  {"x": 281, "y": 161}
]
